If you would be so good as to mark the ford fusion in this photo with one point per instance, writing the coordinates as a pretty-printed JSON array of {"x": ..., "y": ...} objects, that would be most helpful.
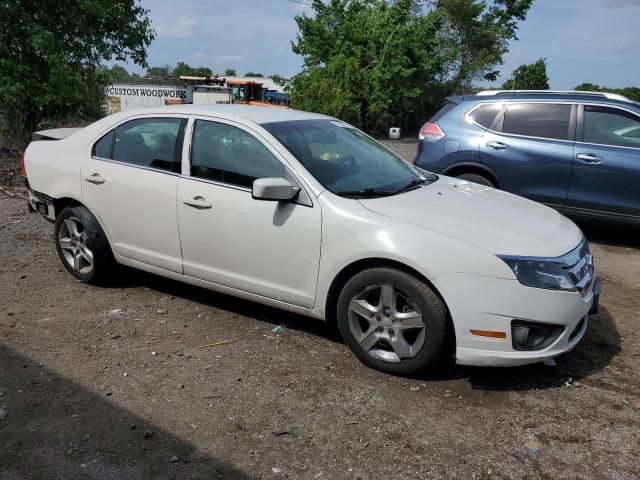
[{"x": 306, "y": 213}]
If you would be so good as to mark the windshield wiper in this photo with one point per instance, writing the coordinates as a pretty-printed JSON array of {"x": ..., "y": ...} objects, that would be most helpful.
[{"x": 366, "y": 192}]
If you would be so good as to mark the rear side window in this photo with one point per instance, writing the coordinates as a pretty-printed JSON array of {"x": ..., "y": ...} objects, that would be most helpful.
[
  {"x": 228, "y": 154},
  {"x": 610, "y": 126},
  {"x": 147, "y": 142},
  {"x": 543, "y": 120},
  {"x": 485, "y": 114}
]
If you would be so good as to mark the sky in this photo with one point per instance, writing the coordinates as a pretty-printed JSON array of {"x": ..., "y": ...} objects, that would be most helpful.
[{"x": 596, "y": 41}]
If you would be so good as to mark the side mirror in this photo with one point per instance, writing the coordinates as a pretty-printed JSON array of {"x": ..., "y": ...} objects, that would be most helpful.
[{"x": 274, "y": 189}]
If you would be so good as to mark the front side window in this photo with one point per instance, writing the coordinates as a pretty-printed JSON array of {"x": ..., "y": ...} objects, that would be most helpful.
[
  {"x": 543, "y": 120},
  {"x": 231, "y": 155},
  {"x": 611, "y": 126},
  {"x": 343, "y": 159},
  {"x": 147, "y": 142}
]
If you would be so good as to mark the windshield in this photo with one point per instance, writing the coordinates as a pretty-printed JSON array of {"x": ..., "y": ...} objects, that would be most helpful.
[{"x": 345, "y": 160}]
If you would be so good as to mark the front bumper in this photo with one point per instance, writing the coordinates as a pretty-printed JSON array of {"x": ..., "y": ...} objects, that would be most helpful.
[{"x": 491, "y": 304}]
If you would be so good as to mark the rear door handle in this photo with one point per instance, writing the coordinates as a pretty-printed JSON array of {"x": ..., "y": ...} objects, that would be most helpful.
[
  {"x": 197, "y": 202},
  {"x": 591, "y": 158},
  {"x": 95, "y": 178},
  {"x": 497, "y": 145}
]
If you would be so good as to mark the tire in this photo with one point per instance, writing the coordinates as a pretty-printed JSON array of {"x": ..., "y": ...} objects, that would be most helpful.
[
  {"x": 83, "y": 247},
  {"x": 477, "y": 178},
  {"x": 377, "y": 338}
]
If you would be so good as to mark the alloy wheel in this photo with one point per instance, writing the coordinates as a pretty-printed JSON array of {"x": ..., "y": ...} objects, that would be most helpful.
[
  {"x": 74, "y": 243},
  {"x": 386, "y": 323}
]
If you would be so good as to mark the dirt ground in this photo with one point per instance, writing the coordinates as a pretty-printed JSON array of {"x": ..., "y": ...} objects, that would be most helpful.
[{"x": 112, "y": 383}]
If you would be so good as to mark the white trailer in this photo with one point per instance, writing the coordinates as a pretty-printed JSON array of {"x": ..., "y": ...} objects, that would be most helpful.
[{"x": 121, "y": 97}]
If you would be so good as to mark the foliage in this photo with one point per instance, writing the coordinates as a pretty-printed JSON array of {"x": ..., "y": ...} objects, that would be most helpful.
[
  {"x": 376, "y": 63},
  {"x": 253, "y": 74},
  {"x": 632, "y": 93},
  {"x": 50, "y": 51},
  {"x": 529, "y": 77},
  {"x": 230, "y": 72}
]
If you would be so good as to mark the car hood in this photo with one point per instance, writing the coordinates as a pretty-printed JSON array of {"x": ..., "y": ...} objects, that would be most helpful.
[{"x": 495, "y": 221}]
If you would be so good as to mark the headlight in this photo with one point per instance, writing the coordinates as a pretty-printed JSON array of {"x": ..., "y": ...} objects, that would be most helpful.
[{"x": 540, "y": 274}]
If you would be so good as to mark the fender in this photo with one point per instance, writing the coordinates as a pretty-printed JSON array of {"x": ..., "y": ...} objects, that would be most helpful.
[{"x": 479, "y": 166}]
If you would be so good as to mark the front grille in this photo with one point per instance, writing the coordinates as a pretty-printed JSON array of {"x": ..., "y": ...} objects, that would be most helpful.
[{"x": 579, "y": 266}]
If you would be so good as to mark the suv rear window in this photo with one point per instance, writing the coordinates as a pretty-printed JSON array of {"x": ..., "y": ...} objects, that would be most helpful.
[
  {"x": 543, "y": 120},
  {"x": 485, "y": 114}
]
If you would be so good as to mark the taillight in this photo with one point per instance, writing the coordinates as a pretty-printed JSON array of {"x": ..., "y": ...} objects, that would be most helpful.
[
  {"x": 23, "y": 170},
  {"x": 431, "y": 132}
]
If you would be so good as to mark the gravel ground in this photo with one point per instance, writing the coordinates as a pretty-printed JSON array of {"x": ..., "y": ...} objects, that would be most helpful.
[{"x": 112, "y": 383}]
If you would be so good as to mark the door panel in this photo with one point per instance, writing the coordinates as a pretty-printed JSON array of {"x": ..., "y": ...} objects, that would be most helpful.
[
  {"x": 129, "y": 183},
  {"x": 606, "y": 172},
  {"x": 262, "y": 247},
  {"x": 137, "y": 208},
  {"x": 536, "y": 168}
]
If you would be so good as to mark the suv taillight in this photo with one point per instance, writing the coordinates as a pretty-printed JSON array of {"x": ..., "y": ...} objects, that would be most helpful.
[
  {"x": 431, "y": 132},
  {"x": 23, "y": 170}
]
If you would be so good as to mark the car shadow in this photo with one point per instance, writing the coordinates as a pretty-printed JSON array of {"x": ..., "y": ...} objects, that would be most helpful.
[
  {"x": 596, "y": 350},
  {"x": 56, "y": 428}
]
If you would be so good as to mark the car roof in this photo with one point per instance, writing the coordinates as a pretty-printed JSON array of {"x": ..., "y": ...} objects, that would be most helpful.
[{"x": 257, "y": 114}]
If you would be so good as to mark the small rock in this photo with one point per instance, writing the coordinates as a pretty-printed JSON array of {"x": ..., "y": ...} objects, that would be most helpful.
[
  {"x": 180, "y": 385},
  {"x": 415, "y": 389},
  {"x": 148, "y": 434},
  {"x": 133, "y": 426},
  {"x": 276, "y": 471},
  {"x": 549, "y": 362},
  {"x": 115, "y": 311},
  {"x": 174, "y": 459},
  {"x": 448, "y": 395},
  {"x": 162, "y": 311},
  {"x": 126, "y": 374},
  {"x": 155, "y": 354}
]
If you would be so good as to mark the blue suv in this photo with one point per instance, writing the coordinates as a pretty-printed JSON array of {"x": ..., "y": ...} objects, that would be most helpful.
[{"x": 578, "y": 152}]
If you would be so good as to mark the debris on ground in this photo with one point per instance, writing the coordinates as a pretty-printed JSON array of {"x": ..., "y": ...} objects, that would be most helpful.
[
  {"x": 549, "y": 362},
  {"x": 534, "y": 449},
  {"x": 283, "y": 431},
  {"x": 3, "y": 413},
  {"x": 276, "y": 329},
  {"x": 415, "y": 389},
  {"x": 162, "y": 311},
  {"x": 215, "y": 344},
  {"x": 174, "y": 459},
  {"x": 276, "y": 471}
]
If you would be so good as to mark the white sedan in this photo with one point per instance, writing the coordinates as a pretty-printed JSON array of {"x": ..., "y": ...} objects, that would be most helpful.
[{"x": 307, "y": 213}]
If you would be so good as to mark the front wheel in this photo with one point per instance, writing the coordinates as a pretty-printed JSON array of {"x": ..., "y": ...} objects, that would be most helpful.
[
  {"x": 82, "y": 245},
  {"x": 392, "y": 321}
]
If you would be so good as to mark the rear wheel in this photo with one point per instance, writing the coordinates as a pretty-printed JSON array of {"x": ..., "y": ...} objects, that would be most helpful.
[
  {"x": 477, "y": 178},
  {"x": 392, "y": 321},
  {"x": 82, "y": 245}
]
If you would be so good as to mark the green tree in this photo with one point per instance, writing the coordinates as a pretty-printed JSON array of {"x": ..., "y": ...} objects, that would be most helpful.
[
  {"x": 376, "y": 63},
  {"x": 230, "y": 72},
  {"x": 50, "y": 51},
  {"x": 253, "y": 74},
  {"x": 114, "y": 74},
  {"x": 632, "y": 93},
  {"x": 529, "y": 77},
  {"x": 159, "y": 73},
  {"x": 184, "y": 69}
]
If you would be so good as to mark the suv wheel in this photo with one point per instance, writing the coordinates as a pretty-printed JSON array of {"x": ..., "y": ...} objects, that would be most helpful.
[
  {"x": 82, "y": 245},
  {"x": 477, "y": 178},
  {"x": 392, "y": 321}
]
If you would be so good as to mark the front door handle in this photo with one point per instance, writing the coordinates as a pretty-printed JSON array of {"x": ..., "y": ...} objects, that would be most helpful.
[
  {"x": 95, "y": 178},
  {"x": 197, "y": 202},
  {"x": 590, "y": 158},
  {"x": 497, "y": 145}
]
